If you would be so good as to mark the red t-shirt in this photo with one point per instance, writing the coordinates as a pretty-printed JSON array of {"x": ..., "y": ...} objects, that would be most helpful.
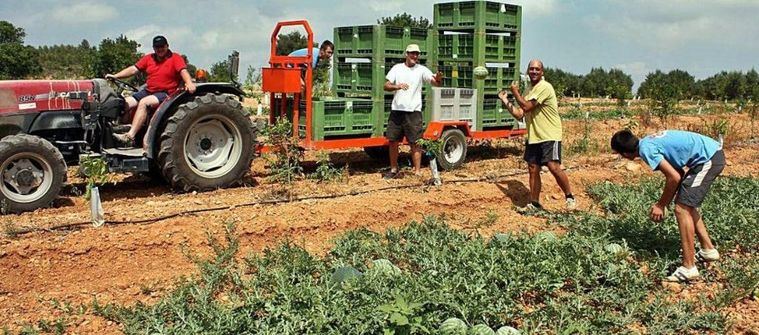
[{"x": 163, "y": 75}]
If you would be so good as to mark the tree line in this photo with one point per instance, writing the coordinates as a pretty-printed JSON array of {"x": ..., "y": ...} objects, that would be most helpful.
[{"x": 20, "y": 61}]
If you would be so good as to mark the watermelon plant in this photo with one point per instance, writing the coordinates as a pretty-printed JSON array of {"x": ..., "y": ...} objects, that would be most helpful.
[{"x": 545, "y": 283}]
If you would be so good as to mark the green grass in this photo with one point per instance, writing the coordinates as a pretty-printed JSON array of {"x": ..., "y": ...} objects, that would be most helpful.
[{"x": 538, "y": 284}]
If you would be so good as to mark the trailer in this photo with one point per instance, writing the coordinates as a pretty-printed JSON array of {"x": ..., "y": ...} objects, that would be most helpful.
[{"x": 282, "y": 81}]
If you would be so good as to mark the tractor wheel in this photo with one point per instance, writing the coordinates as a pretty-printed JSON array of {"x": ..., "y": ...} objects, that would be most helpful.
[
  {"x": 379, "y": 154},
  {"x": 207, "y": 144},
  {"x": 454, "y": 149},
  {"x": 33, "y": 172}
]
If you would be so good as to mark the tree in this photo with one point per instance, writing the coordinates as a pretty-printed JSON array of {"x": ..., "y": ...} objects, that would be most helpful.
[
  {"x": 406, "y": 20},
  {"x": 220, "y": 72},
  {"x": 663, "y": 92},
  {"x": 17, "y": 61},
  {"x": 114, "y": 55},
  {"x": 287, "y": 43},
  {"x": 67, "y": 61},
  {"x": 619, "y": 85},
  {"x": 564, "y": 83},
  {"x": 11, "y": 34}
]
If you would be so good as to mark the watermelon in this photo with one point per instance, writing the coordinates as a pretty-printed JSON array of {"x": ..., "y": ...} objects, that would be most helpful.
[
  {"x": 506, "y": 330},
  {"x": 501, "y": 237},
  {"x": 546, "y": 236},
  {"x": 480, "y": 72},
  {"x": 385, "y": 266},
  {"x": 453, "y": 326},
  {"x": 614, "y": 248},
  {"x": 480, "y": 329},
  {"x": 343, "y": 274}
]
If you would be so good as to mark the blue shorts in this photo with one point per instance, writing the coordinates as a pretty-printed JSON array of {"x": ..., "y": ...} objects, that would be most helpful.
[{"x": 139, "y": 95}]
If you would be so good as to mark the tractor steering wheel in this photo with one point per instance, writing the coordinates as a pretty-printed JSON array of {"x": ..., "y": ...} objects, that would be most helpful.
[{"x": 122, "y": 84}]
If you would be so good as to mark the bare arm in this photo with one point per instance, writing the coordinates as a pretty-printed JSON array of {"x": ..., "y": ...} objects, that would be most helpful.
[
  {"x": 188, "y": 84},
  {"x": 437, "y": 80},
  {"x": 527, "y": 106},
  {"x": 390, "y": 87},
  {"x": 125, "y": 73},
  {"x": 516, "y": 112},
  {"x": 670, "y": 187}
]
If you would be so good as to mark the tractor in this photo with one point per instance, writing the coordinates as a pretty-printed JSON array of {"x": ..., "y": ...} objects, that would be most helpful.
[{"x": 195, "y": 142}]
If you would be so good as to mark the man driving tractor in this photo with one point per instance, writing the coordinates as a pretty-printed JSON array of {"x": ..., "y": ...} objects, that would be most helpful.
[{"x": 164, "y": 69}]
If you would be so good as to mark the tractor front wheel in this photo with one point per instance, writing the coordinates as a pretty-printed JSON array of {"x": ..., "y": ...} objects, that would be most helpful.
[
  {"x": 33, "y": 172},
  {"x": 207, "y": 144}
]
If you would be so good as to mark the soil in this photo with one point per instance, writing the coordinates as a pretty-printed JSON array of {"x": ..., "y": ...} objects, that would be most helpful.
[{"x": 130, "y": 263}]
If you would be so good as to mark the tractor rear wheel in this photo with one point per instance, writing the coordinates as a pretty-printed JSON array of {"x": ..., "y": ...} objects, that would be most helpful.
[
  {"x": 207, "y": 144},
  {"x": 33, "y": 172}
]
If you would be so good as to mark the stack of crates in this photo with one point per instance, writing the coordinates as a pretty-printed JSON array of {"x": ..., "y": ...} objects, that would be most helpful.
[
  {"x": 363, "y": 55},
  {"x": 480, "y": 33}
]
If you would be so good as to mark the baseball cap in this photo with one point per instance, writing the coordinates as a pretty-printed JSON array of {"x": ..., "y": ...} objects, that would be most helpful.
[
  {"x": 159, "y": 41},
  {"x": 412, "y": 48}
]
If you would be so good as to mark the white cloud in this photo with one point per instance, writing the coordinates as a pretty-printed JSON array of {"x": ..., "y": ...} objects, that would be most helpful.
[
  {"x": 674, "y": 24},
  {"x": 532, "y": 8},
  {"x": 85, "y": 12},
  {"x": 382, "y": 6}
]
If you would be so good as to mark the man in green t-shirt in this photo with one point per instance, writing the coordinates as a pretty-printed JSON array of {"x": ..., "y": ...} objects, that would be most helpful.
[{"x": 540, "y": 109}]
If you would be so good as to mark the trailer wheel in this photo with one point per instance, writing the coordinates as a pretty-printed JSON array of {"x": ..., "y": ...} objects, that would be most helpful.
[
  {"x": 454, "y": 149},
  {"x": 207, "y": 144},
  {"x": 33, "y": 172}
]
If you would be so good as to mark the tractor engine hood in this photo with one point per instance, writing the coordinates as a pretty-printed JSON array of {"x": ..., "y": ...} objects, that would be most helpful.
[{"x": 34, "y": 96}]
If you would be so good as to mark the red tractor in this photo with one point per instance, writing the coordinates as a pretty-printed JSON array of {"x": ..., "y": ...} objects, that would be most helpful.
[{"x": 199, "y": 141}]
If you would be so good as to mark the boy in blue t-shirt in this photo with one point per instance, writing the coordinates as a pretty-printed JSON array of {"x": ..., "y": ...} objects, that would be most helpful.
[{"x": 670, "y": 152}]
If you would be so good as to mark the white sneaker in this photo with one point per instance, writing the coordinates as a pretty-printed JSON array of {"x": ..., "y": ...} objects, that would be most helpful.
[
  {"x": 707, "y": 255},
  {"x": 571, "y": 204},
  {"x": 683, "y": 275}
]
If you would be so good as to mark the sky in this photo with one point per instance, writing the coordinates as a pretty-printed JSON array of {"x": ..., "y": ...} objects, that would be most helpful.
[{"x": 636, "y": 36}]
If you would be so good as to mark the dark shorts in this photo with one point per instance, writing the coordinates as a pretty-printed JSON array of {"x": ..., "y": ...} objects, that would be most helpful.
[
  {"x": 141, "y": 94},
  {"x": 697, "y": 182},
  {"x": 403, "y": 123},
  {"x": 543, "y": 152}
]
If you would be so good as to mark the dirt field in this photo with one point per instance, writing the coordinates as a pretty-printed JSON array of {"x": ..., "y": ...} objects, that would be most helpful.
[{"x": 138, "y": 262}]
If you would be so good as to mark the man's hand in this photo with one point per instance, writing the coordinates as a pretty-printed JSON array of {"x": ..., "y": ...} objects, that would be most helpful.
[
  {"x": 514, "y": 87},
  {"x": 110, "y": 76},
  {"x": 657, "y": 213},
  {"x": 439, "y": 77},
  {"x": 190, "y": 87},
  {"x": 504, "y": 96},
  {"x": 402, "y": 86}
]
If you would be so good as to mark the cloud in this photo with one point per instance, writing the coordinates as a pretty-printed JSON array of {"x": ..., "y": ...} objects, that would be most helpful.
[
  {"x": 84, "y": 13},
  {"x": 532, "y": 8},
  {"x": 674, "y": 24}
]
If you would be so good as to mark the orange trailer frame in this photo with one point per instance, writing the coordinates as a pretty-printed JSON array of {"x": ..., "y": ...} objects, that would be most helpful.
[{"x": 283, "y": 77}]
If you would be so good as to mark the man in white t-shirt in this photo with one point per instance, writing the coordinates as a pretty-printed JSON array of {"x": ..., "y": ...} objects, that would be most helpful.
[{"x": 406, "y": 81}]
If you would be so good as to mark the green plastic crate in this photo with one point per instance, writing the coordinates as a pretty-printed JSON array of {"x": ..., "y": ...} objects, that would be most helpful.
[
  {"x": 457, "y": 74},
  {"x": 500, "y": 78},
  {"x": 334, "y": 118},
  {"x": 477, "y": 15},
  {"x": 494, "y": 114},
  {"x": 381, "y": 41}
]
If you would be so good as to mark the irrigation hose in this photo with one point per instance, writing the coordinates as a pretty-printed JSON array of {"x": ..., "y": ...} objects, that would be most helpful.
[{"x": 80, "y": 225}]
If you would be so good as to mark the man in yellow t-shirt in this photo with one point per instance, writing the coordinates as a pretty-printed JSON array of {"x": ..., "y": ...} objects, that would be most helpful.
[{"x": 540, "y": 109}]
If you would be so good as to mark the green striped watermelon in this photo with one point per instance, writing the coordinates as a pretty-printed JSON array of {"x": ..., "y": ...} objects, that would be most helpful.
[
  {"x": 385, "y": 266},
  {"x": 343, "y": 274},
  {"x": 614, "y": 248},
  {"x": 506, "y": 330},
  {"x": 480, "y": 329},
  {"x": 453, "y": 326}
]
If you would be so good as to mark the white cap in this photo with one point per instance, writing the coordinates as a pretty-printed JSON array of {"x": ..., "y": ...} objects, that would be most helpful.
[{"x": 412, "y": 48}]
